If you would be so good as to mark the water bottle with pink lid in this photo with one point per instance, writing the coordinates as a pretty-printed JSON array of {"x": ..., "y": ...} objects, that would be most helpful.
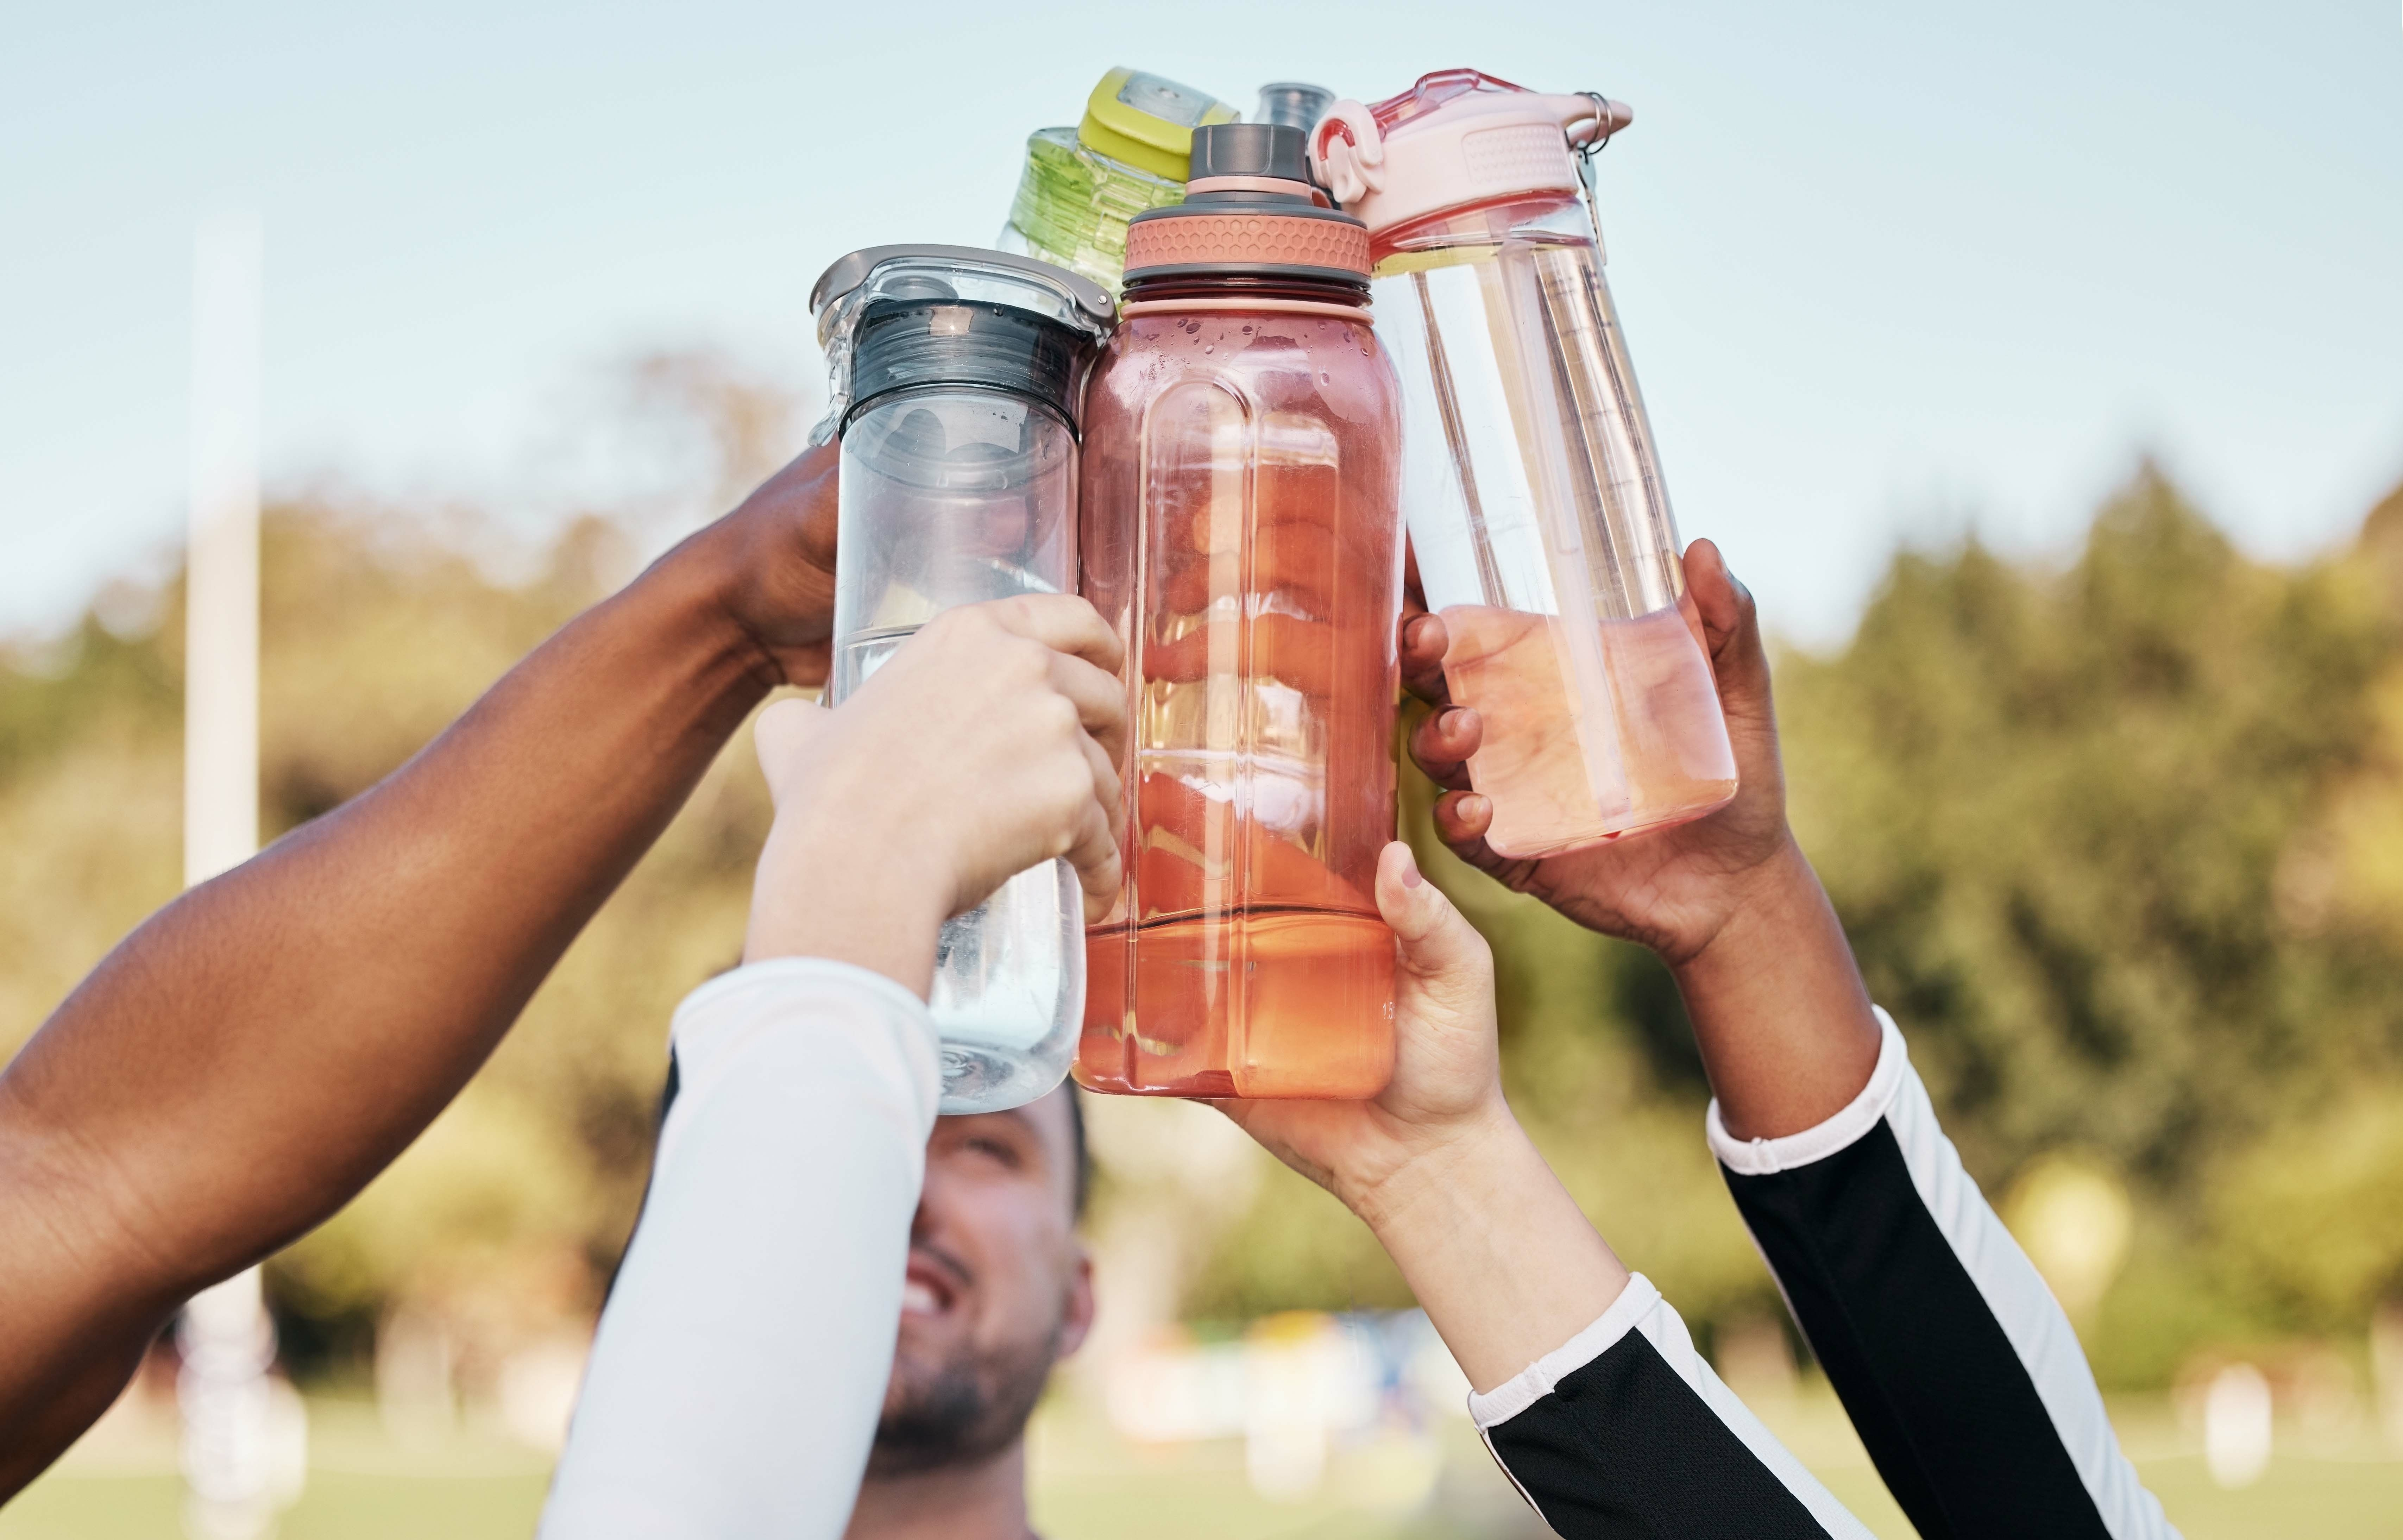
[{"x": 1536, "y": 513}]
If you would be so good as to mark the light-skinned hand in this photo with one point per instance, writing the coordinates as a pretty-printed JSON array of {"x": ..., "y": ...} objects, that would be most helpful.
[
  {"x": 1497, "y": 1253},
  {"x": 983, "y": 747},
  {"x": 1446, "y": 1091}
]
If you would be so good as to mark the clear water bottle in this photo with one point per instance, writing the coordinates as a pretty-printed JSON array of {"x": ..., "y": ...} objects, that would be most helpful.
[
  {"x": 957, "y": 375},
  {"x": 1537, "y": 510},
  {"x": 1081, "y": 184}
]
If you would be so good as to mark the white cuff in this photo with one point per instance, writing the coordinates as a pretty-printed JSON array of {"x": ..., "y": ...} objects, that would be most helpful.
[
  {"x": 1766, "y": 1156},
  {"x": 1493, "y": 1407}
]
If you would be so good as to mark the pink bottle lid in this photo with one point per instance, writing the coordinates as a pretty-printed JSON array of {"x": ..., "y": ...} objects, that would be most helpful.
[{"x": 1455, "y": 140}]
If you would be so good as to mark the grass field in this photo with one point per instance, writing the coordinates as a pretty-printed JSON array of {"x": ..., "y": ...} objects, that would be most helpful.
[{"x": 1089, "y": 1486}]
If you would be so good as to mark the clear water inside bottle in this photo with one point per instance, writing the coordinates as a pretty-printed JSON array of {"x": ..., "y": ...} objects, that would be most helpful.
[
  {"x": 1009, "y": 974},
  {"x": 1259, "y": 577},
  {"x": 954, "y": 496}
]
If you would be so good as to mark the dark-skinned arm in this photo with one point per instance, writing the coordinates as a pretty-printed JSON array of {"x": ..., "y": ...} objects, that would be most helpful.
[
  {"x": 1962, "y": 1375},
  {"x": 254, "y": 1053}
]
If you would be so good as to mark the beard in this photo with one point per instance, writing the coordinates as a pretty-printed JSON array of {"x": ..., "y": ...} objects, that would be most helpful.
[{"x": 963, "y": 1410}]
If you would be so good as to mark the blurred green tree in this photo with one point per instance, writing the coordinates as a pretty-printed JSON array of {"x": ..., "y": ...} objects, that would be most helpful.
[
  {"x": 379, "y": 625},
  {"x": 2053, "y": 809},
  {"x": 2116, "y": 842},
  {"x": 2119, "y": 841}
]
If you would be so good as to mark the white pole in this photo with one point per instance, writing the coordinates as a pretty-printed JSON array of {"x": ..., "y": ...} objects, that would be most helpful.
[
  {"x": 230, "y": 1416},
  {"x": 221, "y": 594}
]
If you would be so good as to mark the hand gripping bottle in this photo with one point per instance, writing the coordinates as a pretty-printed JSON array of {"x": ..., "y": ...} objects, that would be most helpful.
[
  {"x": 956, "y": 378},
  {"x": 1537, "y": 519},
  {"x": 1082, "y": 185},
  {"x": 1239, "y": 530}
]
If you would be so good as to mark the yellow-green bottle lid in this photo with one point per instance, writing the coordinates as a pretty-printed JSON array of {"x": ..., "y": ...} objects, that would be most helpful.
[{"x": 1147, "y": 121}]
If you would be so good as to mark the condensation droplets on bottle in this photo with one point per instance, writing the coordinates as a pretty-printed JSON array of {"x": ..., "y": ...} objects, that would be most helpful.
[{"x": 1241, "y": 533}]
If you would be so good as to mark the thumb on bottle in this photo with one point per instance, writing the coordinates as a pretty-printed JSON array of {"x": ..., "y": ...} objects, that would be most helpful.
[
  {"x": 1438, "y": 942},
  {"x": 1730, "y": 627}
]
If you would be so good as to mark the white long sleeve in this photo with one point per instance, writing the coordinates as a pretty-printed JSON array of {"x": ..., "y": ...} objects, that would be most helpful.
[{"x": 742, "y": 1361}]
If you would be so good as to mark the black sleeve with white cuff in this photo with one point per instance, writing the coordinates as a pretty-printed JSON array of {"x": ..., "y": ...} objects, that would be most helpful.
[
  {"x": 1959, "y": 1370},
  {"x": 1625, "y": 1431}
]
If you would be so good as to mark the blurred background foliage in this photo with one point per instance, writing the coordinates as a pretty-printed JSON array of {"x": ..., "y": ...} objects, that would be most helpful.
[{"x": 2119, "y": 841}]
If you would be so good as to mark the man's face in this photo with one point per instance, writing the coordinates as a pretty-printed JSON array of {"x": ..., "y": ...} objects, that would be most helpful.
[{"x": 998, "y": 1289}]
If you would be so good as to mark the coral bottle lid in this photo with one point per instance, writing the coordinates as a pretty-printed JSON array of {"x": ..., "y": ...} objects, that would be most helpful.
[{"x": 1247, "y": 211}]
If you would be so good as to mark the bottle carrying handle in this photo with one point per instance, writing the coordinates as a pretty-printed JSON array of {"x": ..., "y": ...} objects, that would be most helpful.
[
  {"x": 1603, "y": 119},
  {"x": 1590, "y": 119},
  {"x": 1348, "y": 152},
  {"x": 1347, "y": 148}
]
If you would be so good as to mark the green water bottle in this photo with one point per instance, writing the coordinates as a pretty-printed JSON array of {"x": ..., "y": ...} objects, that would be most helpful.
[{"x": 1129, "y": 153}]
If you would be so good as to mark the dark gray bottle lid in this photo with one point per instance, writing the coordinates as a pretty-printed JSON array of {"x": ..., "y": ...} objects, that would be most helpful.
[
  {"x": 921, "y": 341},
  {"x": 1251, "y": 150},
  {"x": 898, "y": 317},
  {"x": 1272, "y": 182}
]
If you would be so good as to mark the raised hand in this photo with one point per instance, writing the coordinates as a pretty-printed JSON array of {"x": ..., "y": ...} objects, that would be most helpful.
[
  {"x": 777, "y": 552},
  {"x": 1447, "y": 1084},
  {"x": 1437, "y": 1164},
  {"x": 1728, "y": 900},
  {"x": 985, "y": 745},
  {"x": 1671, "y": 889}
]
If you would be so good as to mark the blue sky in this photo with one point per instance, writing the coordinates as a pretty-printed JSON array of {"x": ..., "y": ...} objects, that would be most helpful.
[{"x": 1888, "y": 270}]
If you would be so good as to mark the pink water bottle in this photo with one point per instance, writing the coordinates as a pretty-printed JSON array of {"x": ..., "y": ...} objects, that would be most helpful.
[
  {"x": 1536, "y": 512},
  {"x": 1239, "y": 530}
]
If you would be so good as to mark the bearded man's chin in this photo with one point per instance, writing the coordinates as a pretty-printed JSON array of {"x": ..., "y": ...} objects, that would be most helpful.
[{"x": 963, "y": 1413}]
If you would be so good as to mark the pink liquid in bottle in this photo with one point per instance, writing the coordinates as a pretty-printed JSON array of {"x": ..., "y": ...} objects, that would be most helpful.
[
  {"x": 1240, "y": 531},
  {"x": 1537, "y": 513},
  {"x": 1559, "y": 762}
]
